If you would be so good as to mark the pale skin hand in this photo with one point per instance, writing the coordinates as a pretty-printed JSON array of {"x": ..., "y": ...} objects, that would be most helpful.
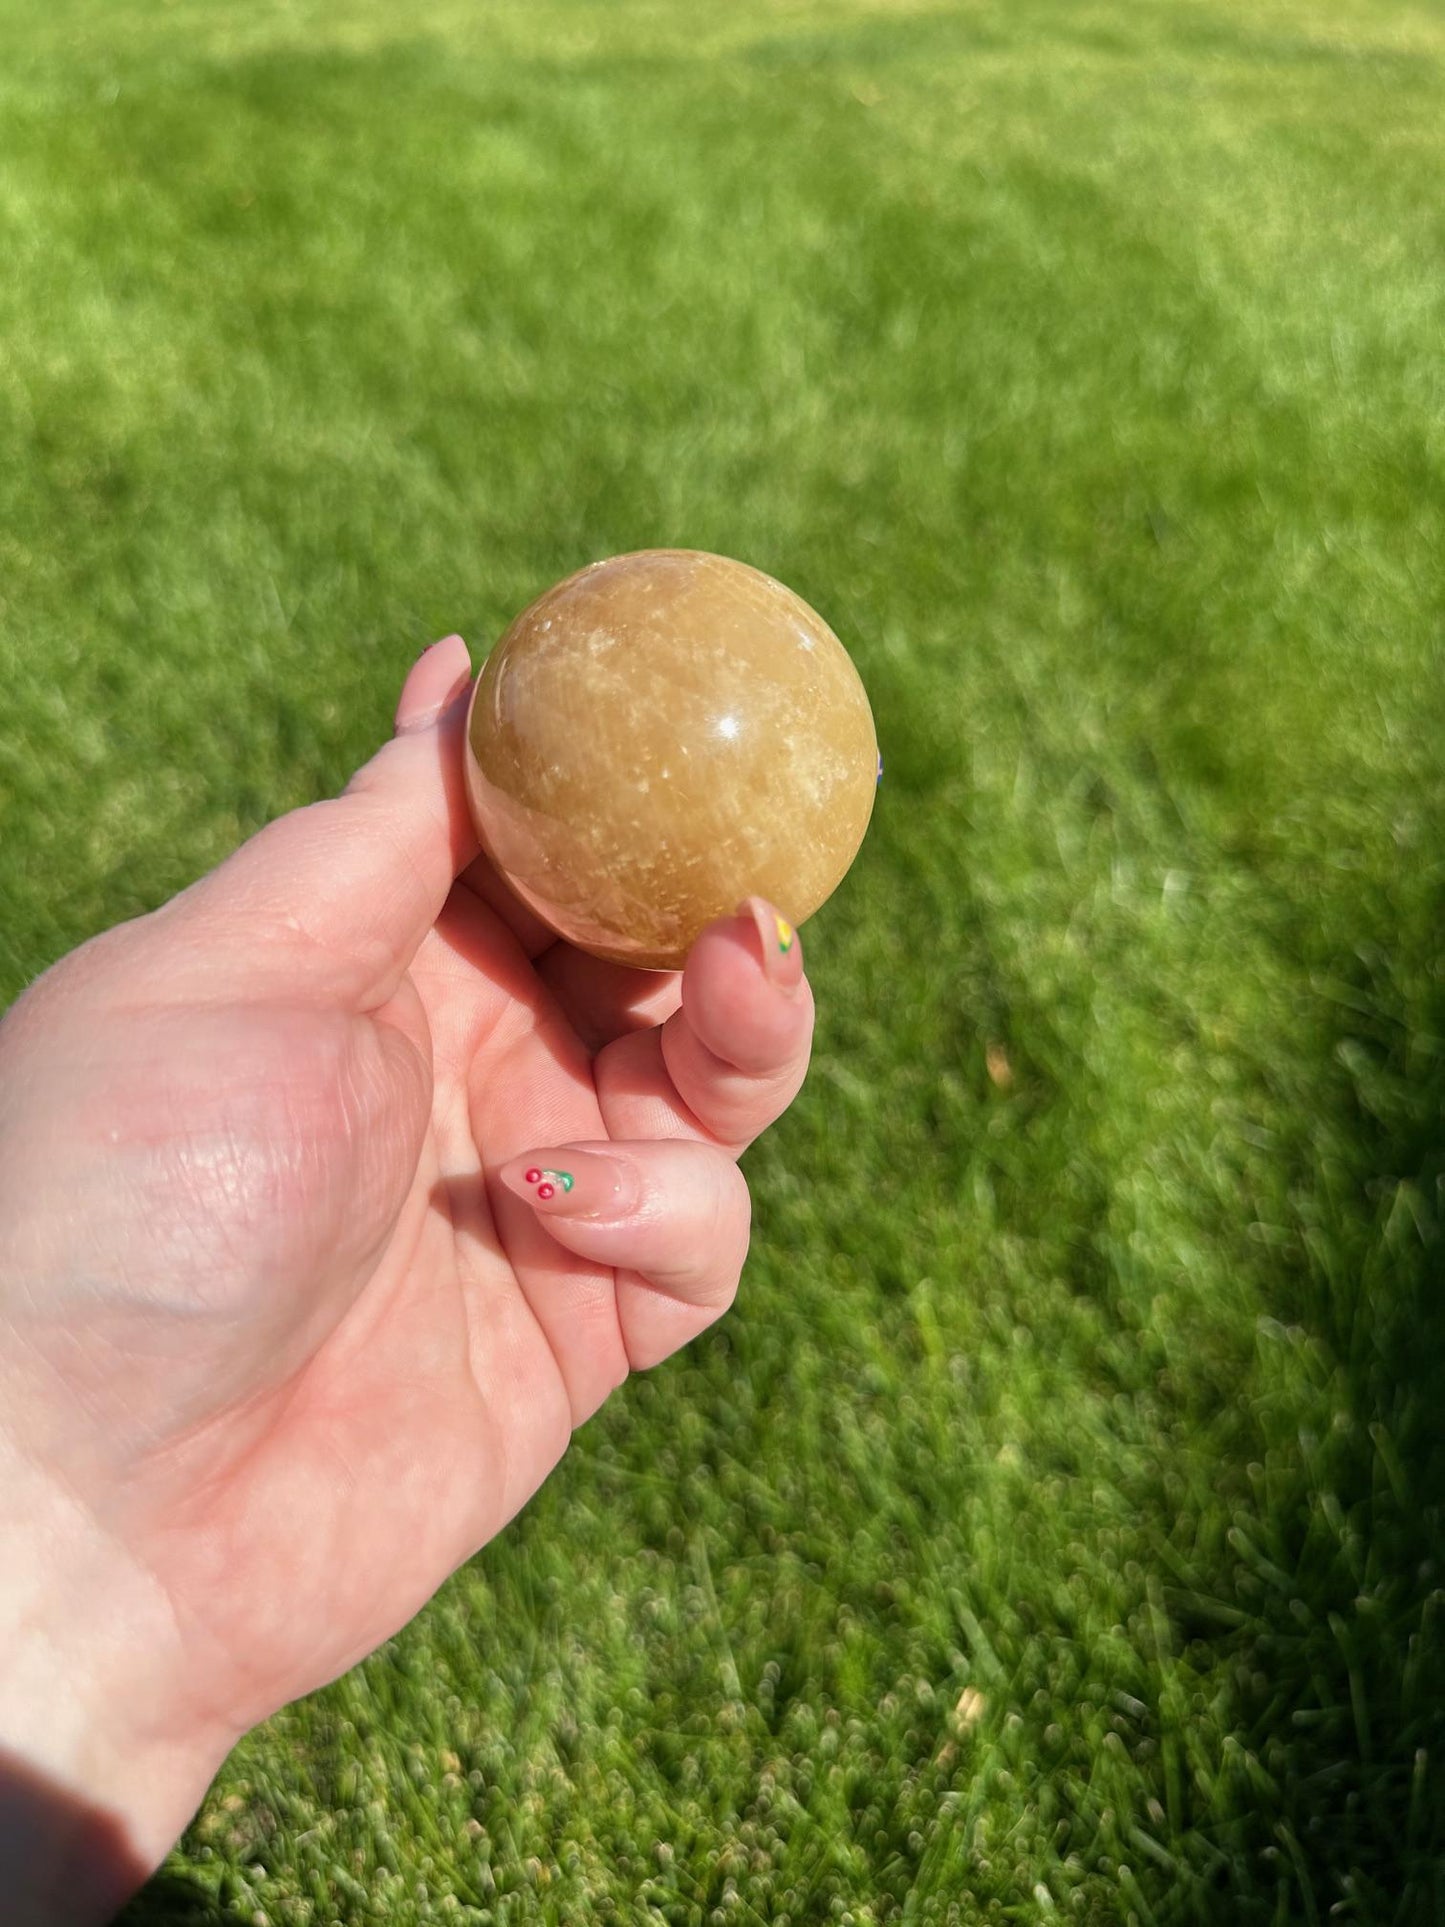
[{"x": 286, "y": 1332}]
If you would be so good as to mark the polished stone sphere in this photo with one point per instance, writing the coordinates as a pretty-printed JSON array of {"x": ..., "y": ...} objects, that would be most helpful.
[{"x": 660, "y": 736}]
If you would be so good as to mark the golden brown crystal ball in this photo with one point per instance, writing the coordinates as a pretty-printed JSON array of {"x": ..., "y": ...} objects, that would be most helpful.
[{"x": 659, "y": 737}]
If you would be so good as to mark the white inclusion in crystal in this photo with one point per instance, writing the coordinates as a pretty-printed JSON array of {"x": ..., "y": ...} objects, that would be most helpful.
[{"x": 729, "y": 727}]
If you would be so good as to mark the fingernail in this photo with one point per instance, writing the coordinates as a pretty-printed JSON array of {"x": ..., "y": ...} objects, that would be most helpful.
[
  {"x": 454, "y": 637},
  {"x": 781, "y": 950},
  {"x": 414, "y": 712},
  {"x": 574, "y": 1184}
]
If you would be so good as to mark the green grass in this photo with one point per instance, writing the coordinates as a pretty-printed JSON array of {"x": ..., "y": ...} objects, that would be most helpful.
[{"x": 1054, "y": 1530}]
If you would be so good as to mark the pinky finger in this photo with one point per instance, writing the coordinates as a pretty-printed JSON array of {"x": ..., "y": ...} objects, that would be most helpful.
[{"x": 670, "y": 1216}]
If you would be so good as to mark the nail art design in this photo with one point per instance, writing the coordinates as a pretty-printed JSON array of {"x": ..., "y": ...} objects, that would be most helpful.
[
  {"x": 546, "y": 1182},
  {"x": 599, "y": 1185},
  {"x": 779, "y": 947}
]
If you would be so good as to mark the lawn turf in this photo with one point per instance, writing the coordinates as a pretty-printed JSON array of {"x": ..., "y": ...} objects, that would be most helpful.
[{"x": 1053, "y": 1531}]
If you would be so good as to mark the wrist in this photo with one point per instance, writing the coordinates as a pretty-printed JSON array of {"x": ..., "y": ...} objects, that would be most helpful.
[{"x": 102, "y": 1759}]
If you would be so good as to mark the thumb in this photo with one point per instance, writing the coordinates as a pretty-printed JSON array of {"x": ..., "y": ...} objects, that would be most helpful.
[
  {"x": 335, "y": 898},
  {"x": 437, "y": 678}
]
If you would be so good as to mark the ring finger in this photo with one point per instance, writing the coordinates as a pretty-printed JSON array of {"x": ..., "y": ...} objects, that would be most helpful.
[{"x": 671, "y": 1217}]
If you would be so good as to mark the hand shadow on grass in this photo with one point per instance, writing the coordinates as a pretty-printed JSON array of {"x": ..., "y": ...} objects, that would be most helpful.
[
  {"x": 1336, "y": 1596},
  {"x": 173, "y": 1900}
]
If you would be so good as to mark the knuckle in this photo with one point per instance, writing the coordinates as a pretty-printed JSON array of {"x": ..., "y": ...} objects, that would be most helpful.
[{"x": 727, "y": 1236}]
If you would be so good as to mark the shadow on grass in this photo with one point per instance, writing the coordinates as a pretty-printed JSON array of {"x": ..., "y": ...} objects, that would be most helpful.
[
  {"x": 174, "y": 1900},
  {"x": 1335, "y": 1805}
]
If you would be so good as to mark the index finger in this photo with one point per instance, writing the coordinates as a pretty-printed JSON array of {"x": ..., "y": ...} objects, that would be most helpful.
[{"x": 734, "y": 1056}]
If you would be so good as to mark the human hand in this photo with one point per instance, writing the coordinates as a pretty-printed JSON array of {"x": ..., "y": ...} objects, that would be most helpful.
[{"x": 288, "y": 1332}]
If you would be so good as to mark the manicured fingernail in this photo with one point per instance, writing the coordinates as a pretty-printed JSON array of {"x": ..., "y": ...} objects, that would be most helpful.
[
  {"x": 780, "y": 949},
  {"x": 574, "y": 1184}
]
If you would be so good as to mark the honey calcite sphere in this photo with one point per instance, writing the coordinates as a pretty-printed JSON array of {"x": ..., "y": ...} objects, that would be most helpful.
[{"x": 660, "y": 736}]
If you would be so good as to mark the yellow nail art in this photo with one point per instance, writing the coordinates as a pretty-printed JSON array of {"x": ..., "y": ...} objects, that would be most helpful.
[{"x": 785, "y": 934}]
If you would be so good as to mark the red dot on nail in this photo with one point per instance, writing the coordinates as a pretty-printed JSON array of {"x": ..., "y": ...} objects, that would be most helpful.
[
  {"x": 534, "y": 1176},
  {"x": 546, "y": 1190}
]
